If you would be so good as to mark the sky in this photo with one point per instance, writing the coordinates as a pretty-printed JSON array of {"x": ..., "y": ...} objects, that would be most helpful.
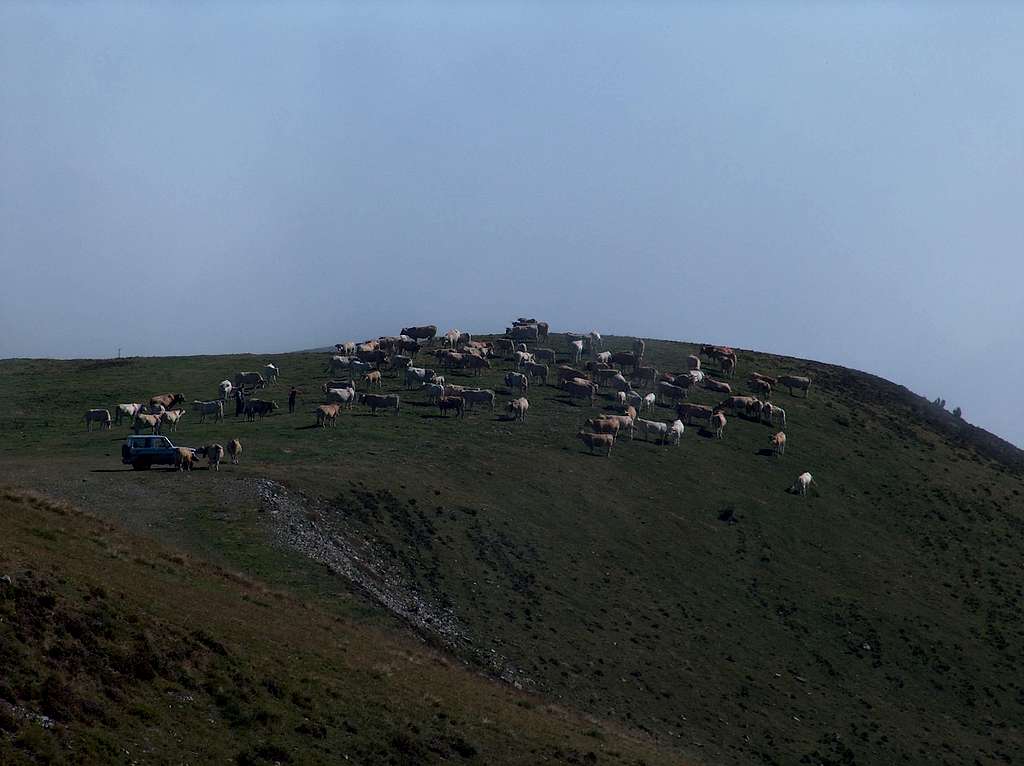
[{"x": 837, "y": 181}]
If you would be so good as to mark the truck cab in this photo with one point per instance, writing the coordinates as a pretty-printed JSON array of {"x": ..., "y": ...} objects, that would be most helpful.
[{"x": 142, "y": 452}]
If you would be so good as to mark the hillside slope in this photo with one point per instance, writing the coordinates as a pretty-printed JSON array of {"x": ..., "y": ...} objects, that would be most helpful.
[
  {"x": 877, "y": 620},
  {"x": 117, "y": 650}
]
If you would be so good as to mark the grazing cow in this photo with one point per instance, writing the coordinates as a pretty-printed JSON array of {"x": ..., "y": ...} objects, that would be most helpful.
[
  {"x": 253, "y": 379},
  {"x": 648, "y": 402},
  {"x": 380, "y": 402},
  {"x": 605, "y": 426},
  {"x": 580, "y": 390},
  {"x": 647, "y": 375},
  {"x": 473, "y": 396},
  {"x": 717, "y": 386},
  {"x": 327, "y": 414},
  {"x": 345, "y": 396},
  {"x": 434, "y": 391},
  {"x": 625, "y": 359},
  {"x": 423, "y": 332},
  {"x": 693, "y": 362},
  {"x": 675, "y": 432},
  {"x": 446, "y": 403},
  {"x": 718, "y": 422},
  {"x": 234, "y": 450},
  {"x": 670, "y": 391},
  {"x": 213, "y": 453},
  {"x": 767, "y": 379},
  {"x": 760, "y": 386},
  {"x": 415, "y": 377},
  {"x": 626, "y": 423},
  {"x": 639, "y": 347},
  {"x": 576, "y": 349},
  {"x": 802, "y": 483},
  {"x": 687, "y": 412},
  {"x": 604, "y": 357},
  {"x": 97, "y": 416},
  {"x": 374, "y": 379},
  {"x": 736, "y": 403},
  {"x": 128, "y": 411},
  {"x": 271, "y": 373},
  {"x": 184, "y": 459},
  {"x": 166, "y": 400},
  {"x": 656, "y": 427},
  {"x": 565, "y": 373},
  {"x": 215, "y": 408},
  {"x": 545, "y": 355},
  {"x": 778, "y": 442},
  {"x": 144, "y": 420},
  {"x": 518, "y": 408},
  {"x": 796, "y": 381},
  {"x": 516, "y": 380},
  {"x": 601, "y": 441},
  {"x": 618, "y": 383},
  {"x": 603, "y": 375},
  {"x": 258, "y": 408},
  {"x": 475, "y": 363}
]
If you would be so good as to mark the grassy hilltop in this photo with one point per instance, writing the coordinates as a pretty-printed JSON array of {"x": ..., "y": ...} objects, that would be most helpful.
[{"x": 878, "y": 620}]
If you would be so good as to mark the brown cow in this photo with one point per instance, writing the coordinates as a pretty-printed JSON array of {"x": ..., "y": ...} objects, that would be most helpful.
[
  {"x": 166, "y": 400},
  {"x": 605, "y": 441},
  {"x": 446, "y": 403},
  {"x": 327, "y": 414}
]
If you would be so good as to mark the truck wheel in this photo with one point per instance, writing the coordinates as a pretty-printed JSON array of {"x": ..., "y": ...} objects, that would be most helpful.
[{"x": 141, "y": 465}]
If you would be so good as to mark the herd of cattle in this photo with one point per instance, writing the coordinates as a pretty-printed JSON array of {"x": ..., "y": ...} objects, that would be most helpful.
[{"x": 635, "y": 386}]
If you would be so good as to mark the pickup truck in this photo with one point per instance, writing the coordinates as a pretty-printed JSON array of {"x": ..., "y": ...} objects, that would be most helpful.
[{"x": 142, "y": 452}]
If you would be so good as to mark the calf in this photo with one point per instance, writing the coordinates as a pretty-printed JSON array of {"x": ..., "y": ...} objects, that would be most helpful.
[
  {"x": 447, "y": 403},
  {"x": 213, "y": 453},
  {"x": 675, "y": 432},
  {"x": 802, "y": 484},
  {"x": 171, "y": 417},
  {"x": 374, "y": 379},
  {"x": 234, "y": 450},
  {"x": 143, "y": 420},
  {"x": 184, "y": 459},
  {"x": 718, "y": 424},
  {"x": 517, "y": 381}
]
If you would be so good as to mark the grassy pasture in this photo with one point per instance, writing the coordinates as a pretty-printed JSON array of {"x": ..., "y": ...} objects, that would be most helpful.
[{"x": 877, "y": 620}]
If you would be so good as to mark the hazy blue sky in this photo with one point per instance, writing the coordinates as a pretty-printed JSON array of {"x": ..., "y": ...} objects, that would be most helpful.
[{"x": 837, "y": 181}]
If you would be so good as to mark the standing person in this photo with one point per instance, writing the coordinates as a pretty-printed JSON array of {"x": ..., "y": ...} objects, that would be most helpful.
[
  {"x": 239, "y": 402},
  {"x": 291, "y": 400}
]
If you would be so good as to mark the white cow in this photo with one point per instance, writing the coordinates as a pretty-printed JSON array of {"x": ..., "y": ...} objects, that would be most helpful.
[
  {"x": 648, "y": 402},
  {"x": 605, "y": 357},
  {"x": 271, "y": 373},
  {"x": 802, "y": 483},
  {"x": 415, "y": 377},
  {"x": 215, "y": 408},
  {"x": 434, "y": 391},
  {"x": 645, "y": 427},
  {"x": 225, "y": 388},
  {"x": 128, "y": 411},
  {"x": 345, "y": 396},
  {"x": 675, "y": 432},
  {"x": 577, "y": 350}
]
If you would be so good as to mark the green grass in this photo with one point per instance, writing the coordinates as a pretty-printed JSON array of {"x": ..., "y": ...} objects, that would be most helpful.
[{"x": 877, "y": 620}]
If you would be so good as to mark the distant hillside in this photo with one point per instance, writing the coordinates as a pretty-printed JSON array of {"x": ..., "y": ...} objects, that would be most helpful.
[{"x": 679, "y": 592}]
